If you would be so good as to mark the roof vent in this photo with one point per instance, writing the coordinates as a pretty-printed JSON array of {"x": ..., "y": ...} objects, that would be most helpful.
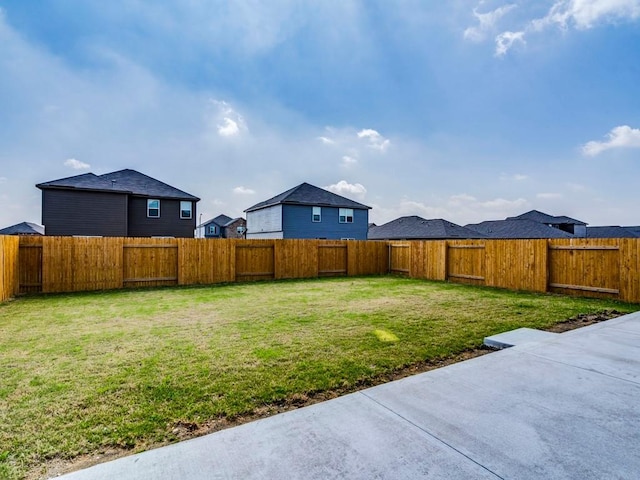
[{"x": 113, "y": 183}]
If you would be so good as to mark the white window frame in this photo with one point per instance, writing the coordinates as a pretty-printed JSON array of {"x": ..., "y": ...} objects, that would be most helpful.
[
  {"x": 186, "y": 202},
  {"x": 345, "y": 215},
  {"x": 316, "y": 212},
  {"x": 149, "y": 208}
]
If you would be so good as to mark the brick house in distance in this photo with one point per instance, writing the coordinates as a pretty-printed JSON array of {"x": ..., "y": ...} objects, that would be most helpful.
[
  {"x": 222, "y": 226},
  {"x": 125, "y": 203}
]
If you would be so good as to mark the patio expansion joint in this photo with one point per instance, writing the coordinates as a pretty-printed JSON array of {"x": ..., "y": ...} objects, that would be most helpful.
[
  {"x": 430, "y": 434},
  {"x": 586, "y": 369}
]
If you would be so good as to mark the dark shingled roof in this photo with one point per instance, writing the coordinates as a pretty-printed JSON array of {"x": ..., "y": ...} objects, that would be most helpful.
[
  {"x": 220, "y": 220},
  {"x": 23, "y": 228},
  {"x": 611, "y": 232},
  {"x": 414, "y": 228},
  {"x": 633, "y": 229},
  {"x": 542, "y": 217},
  {"x": 306, "y": 194},
  {"x": 123, "y": 181},
  {"x": 517, "y": 229}
]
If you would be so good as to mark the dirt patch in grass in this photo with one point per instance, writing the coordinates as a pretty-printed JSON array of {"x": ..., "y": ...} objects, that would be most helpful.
[{"x": 583, "y": 320}]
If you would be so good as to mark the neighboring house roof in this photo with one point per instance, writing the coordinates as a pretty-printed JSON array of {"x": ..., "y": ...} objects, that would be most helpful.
[
  {"x": 220, "y": 220},
  {"x": 612, "y": 232},
  {"x": 306, "y": 194},
  {"x": 23, "y": 228},
  {"x": 414, "y": 227},
  {"x": 542, "y": 217},
  {"x": 634, "y": 229},
  {"x": 123, "y": 181},
  {"x": 517, "y": 229},
  {"x": 233, "y": 220}
]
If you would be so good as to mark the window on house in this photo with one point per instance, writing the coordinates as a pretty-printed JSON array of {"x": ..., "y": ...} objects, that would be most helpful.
[
  {"x": 153, "y": 208},
  {"x": 346, "y": 215},
  {"x": 240, "y": 230},
  {"x": 212, "y": 230},
  {"x": 316, "y": 215},
  {"x": 185, "y": 209}
]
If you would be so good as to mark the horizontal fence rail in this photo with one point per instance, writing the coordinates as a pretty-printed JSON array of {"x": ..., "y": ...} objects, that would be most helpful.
[{"x": 608, "y": 268}]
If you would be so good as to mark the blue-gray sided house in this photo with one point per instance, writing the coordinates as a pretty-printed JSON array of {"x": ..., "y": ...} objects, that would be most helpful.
[
  {"x": 125, "y": 203},
  {"x": 307, "y": 211}
]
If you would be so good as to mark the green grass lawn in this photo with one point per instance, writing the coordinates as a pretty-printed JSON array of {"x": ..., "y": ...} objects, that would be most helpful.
[{"x": 86, "y": 373}]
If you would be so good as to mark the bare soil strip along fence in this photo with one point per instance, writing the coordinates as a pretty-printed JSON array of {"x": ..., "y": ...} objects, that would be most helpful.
[{"x": 607, "y": 268}]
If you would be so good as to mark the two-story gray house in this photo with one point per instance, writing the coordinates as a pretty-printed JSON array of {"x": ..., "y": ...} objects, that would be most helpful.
[
  {"x": 307, "y": 211},
  {"x": 125, "y": 203}
]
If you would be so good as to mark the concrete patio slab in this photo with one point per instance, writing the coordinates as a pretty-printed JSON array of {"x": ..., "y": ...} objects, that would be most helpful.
[
  {"x": 567, "y": 407},
  {"x": 517, "y": 337}
]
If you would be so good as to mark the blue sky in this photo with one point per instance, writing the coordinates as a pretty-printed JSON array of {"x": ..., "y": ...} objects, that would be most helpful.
[{"x": 464, "y": 110}]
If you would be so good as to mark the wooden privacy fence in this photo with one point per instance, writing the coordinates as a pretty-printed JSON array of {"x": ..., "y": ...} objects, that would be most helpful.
[
  {"x": 68, "y": 264},
  {"x": 608, "y": 268}
]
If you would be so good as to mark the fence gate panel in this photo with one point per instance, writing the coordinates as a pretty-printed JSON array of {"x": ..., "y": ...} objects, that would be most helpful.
[
  {"x": 332, "y": 259},
  {"x": 400, "y": 258},
  {"x": 589, "y": 268},
  {"x": 466, "y": 262},
  {"x": 255, "y": 260}
]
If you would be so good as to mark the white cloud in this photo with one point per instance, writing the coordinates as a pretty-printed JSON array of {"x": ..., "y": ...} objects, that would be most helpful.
[
  {"x": 549, "y": 196},
  {"x": 326, "y": 140},
  {"x": 517, "y": 177},
  {"x": 584, "y": 14},
  {"x": 228, "y": 122},
  {"x": 375, "y": 140},
  {"x": 243, "y": 191},
  {"x": 566, "y": 14},
  {"x": 486, "y": 22},
  {"x": 348, "y": 161},
  {"x": 76, "y": 164},
  {"x": 3, "y": 180},
  {"x": 348, "y": 189},
  {"x": 502, "y": 204},
  {"x": 505, "y": 41},
  {"x": 620, "y": 137},
  {"x": 229, "y": 128}
]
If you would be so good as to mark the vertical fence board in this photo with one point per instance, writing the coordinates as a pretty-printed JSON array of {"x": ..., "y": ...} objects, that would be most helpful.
[
  {"x": 630, "y": 269},
  {"x": 30, "y": 264},
  {"x": 517, "y": 264},
  {"x": 9, "y": 265},
  {"x": 150, "y": 262}
]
